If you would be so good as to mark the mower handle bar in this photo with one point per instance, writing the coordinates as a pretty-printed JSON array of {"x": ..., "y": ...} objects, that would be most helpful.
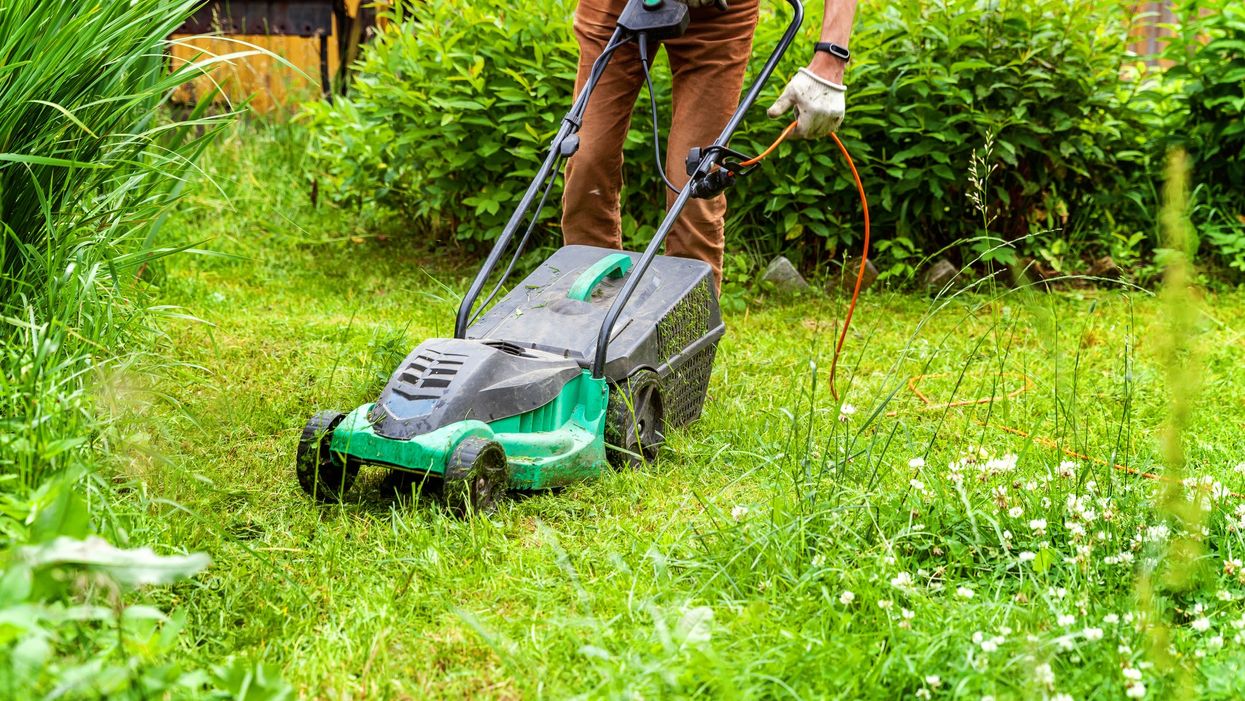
[{"x": 570, "y": 125}]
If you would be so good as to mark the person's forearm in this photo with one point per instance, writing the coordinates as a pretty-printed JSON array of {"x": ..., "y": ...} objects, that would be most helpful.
[{"x": 836, "y": 26}]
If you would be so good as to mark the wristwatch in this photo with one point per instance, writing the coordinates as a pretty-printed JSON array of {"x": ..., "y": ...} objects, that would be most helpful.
[{"x": 839, "y": 52}]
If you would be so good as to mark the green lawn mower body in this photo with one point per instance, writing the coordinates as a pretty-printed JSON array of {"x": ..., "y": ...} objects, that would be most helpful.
[
  {"x": 585, "y": 363},
  {"x": 521, "y": 381}
]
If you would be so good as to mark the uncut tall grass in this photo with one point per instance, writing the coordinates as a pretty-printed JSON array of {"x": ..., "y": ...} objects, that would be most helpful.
[{"x": 91, "y": 161}]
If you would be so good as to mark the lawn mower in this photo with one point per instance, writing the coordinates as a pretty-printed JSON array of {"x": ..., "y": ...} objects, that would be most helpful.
[{"x": 586, "y": 363}]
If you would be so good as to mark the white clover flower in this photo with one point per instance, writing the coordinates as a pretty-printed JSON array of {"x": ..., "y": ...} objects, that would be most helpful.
[
  {"x": 1232, "y": 566},
  {"x": 1202, "y": 624},
  {"x": 903, "y": 580},
  {"x": 1044, "y": 675},
  {"x": 846, "y": 598},
  {"x": 1136, "y": 690},
  {"x": 1027, "y": 556},
  {"x": 846, "y": 411},
  {"x": 1062, "y": 697},
  {"x": 1038, "y": 525},
  {"x": 1092, "y": 634},
  {"x": 1066, "y": 619},
  {"x": 1111, "y": 619},
  {"x": 1066, "y": 470},
  {"x": 1016, "y": 512},
  {"x": 885, "y": 603},
  {"x": 917, "y": 484},
  {"x": 978, "y": 636},
  {"x": 1223, "y": 595},
  {"x": 1215, "y": 642},
  {"x": 989, "y": 645},
  {"x": 906, "y": 614},
  {"x": 923, "y": 694},
  {"x": 934, "y": 680},
  {"x": 964, "y": 592},
  {"x": 916, "y": 463},
  {"x": 739, "y": 512},
  {"x": 1132, "y": 674}
]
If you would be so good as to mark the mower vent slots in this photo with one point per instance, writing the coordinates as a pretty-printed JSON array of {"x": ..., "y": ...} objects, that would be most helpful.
[{"x": 429, "y": 375}]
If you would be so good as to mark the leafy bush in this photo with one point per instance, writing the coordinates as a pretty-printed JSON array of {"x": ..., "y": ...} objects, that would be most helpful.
[
  {"x": 450, "y": 113},
  {"x": 1208, "y": 70},
  {"x": 453, "y": 106}
]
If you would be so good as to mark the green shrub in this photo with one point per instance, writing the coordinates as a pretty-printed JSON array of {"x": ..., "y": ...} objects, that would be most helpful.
[
  {"x": 1208, "y": 72},
  {"x": 453, "y": 106},
  {"x": 450, "y": 113}
]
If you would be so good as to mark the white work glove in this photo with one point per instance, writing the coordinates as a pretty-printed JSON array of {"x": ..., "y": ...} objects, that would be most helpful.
[{"x": 819, "y": 104}]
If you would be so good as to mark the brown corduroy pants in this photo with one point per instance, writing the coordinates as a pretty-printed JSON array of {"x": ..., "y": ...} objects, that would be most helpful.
[{"x": 708, "y": 64}]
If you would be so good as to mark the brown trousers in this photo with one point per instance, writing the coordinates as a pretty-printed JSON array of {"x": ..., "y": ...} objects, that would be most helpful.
[{"x": 708, "y": 64}]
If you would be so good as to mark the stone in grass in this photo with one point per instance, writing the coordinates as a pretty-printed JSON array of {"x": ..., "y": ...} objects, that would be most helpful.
[
  {"x": 1106, "y": 268},
  {"x": 938, "y": 275},
  {"x": 851, "y": 268},
  {"x": 783, "y": 277}
]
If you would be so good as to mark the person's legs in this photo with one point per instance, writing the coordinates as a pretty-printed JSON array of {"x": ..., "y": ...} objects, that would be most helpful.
[
  {"x": 708, "y": 63},
  {"x": 590, "y": 210}
]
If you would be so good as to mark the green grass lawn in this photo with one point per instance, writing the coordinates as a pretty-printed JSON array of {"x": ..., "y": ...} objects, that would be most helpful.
[{"x": 785, "y": 546}]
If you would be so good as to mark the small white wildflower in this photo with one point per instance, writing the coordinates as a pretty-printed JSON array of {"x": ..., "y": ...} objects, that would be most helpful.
[
  {"x": 1062, "y": 697},
  {"x": 1215, "y": 642},
  {"x": 978, "y": 636},
  {"x": 1111, "y": 619},
  {"x": 1027, "y": 556},
  {"x": 1044, "y": 675},
  {"x": 1016, "y": 512},
  {"x": 739, "y": 512},
  {"x": 1132, "y": 674},
  {"x": 846, "y": 598},
  {"x": 1066, "y": 619},
  {"x": 917, "y": 484},
  {"x": 989, "y": 645},
  {"x": 964, "y": 592},
  {"x": 907, "y": 614},
  {"x": 1202, "y": 624},
  {"x": 885, "y": 603},
  {"x": 903, "y": 580},
  {"x": 1223, "y": 595},
  {"x": 1136, "y": 690},
  {"x": 1066, "y": 470},
  {"x": 934, "y": 680},
  {"x": 846, "y": 411},
  {"x": 916, "y": 463},
  {"x": 1092, "y": 634},
  {"x": 1038, "y": 525},
  {"x": 923, "y": 694}
]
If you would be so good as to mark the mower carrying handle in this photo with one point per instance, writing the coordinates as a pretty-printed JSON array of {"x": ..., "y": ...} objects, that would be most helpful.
[{"x": 614, "y": 265}]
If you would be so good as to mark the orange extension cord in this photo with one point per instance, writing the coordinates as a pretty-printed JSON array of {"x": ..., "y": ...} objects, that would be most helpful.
[{"x": 864, "y": 254}]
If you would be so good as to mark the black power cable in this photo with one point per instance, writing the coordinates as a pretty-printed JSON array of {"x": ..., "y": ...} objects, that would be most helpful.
[{"x": 652, "y": 101}]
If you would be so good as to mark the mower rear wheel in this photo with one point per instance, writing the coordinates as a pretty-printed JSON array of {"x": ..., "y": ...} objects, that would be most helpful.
[
  {"x": 476, "y": 477},
  {"x": 634, "y": 422},
  {"x": 322, "y": 474}
]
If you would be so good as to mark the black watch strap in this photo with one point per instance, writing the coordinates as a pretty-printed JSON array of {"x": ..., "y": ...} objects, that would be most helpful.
[{"x": 834, "y": 49}]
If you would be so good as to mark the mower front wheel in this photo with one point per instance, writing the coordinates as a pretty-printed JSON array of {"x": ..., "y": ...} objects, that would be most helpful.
[
  {"x": 323, "y": 475},
  {"x": 476, "y": 477}
]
